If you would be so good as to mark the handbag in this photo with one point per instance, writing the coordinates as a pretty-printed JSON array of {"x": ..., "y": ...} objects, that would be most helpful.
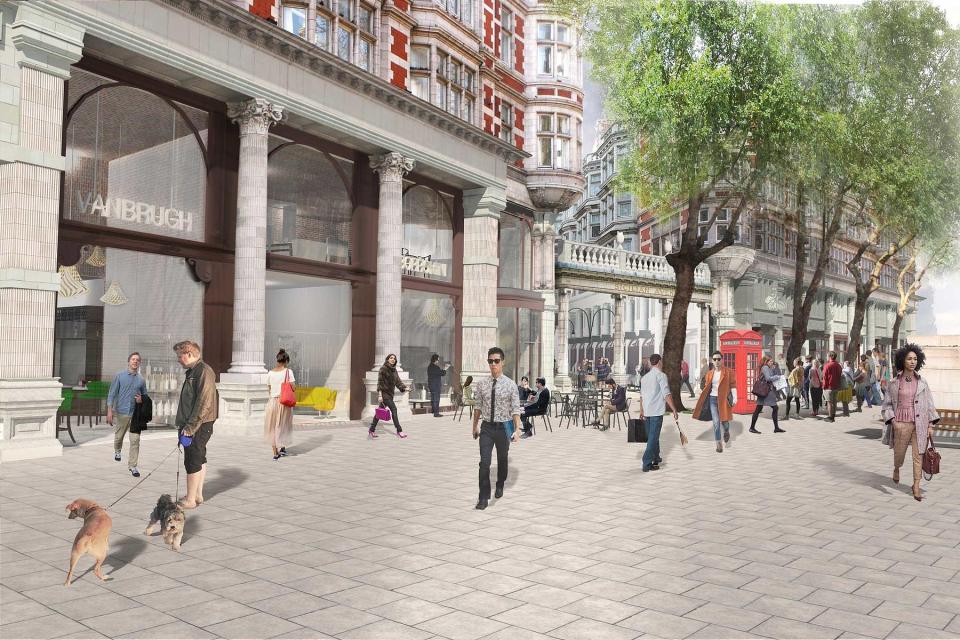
[
  {"x": 761, "y": 388},
  {"x": 637, "y": 430},
  {"x": 382, "y": 413},
  {"x": 287, "y": 397},
  {"x": 931, "y": 459},
  {"x": 885, "y": 438}
]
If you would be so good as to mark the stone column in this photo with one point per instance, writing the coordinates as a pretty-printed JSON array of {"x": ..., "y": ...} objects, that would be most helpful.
[
  {"x": 562, "y": 381},
  {"x": 391, "y": 168},
  {"x": 548, "y": 320},
  {"x": 481, "y": 211},
  {"x": 619, "y": 362},
  {"x": 778, "y": 341},
  {"x": 37, "y": 53},
  {"x": 829, "y": 309},
  {"x": 658, "y": 325},
  {"x": 243, "y": 389}
]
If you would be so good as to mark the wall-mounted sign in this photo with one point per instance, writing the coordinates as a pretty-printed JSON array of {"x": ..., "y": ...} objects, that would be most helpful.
[{"x": 133, "y": 211}]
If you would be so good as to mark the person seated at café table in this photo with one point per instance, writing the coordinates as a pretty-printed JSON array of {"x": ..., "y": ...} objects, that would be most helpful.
[{"x": 537, "y": 405}]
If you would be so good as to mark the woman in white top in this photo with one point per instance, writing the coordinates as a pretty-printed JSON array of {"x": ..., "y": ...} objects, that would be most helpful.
[{"x": 278, "y": 423}]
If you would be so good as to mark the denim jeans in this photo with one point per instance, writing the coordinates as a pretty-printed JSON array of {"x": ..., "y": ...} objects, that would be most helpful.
[
  {"x": 651, "y": 454},
  {"x": 715, "y": 414}
]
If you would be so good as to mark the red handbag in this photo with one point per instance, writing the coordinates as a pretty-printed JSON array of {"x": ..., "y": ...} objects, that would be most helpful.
[
  {"x": 931, "y": 459},
  {"x": 287, "y": 397}
]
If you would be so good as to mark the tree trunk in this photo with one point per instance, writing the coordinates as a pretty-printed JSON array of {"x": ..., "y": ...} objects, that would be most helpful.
[
  {"x": 798, "y": 326},
  {"x": 675, "y": 338},
  {"x": 856, "y": 327},
  {"x": 895, "y": 340}
]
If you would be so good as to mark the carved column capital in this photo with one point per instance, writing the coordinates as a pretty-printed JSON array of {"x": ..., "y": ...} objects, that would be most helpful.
[
  {"x": 255, "y": 115},
  {"x": 391, "y": 166}
]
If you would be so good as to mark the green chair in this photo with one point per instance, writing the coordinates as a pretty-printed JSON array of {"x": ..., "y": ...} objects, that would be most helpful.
[{"x": 66, "y": 406}]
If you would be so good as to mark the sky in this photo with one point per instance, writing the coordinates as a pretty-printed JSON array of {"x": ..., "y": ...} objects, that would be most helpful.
[{"x": 942, "y": 289}]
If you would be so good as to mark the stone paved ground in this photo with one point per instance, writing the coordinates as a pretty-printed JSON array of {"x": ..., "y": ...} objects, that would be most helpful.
[{"x": 796, "y": 535}]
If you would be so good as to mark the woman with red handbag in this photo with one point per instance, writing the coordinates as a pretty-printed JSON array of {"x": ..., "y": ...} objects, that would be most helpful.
[
  {"x": 278, "y": 422},
  {"x": 909, "y": 414},
  {"x": 387, "y": 381}
]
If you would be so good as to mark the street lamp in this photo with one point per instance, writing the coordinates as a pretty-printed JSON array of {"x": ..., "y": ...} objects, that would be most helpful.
[{"x": 590, "y": 317}]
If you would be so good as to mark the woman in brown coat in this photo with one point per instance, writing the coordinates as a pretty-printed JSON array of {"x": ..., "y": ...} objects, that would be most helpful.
[{"x": 716, "y": 400}]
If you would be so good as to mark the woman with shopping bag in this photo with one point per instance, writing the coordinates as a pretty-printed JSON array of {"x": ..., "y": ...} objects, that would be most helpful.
[
  {"x": 388, "y": 380},
  {"x": 278, "y": 420}
]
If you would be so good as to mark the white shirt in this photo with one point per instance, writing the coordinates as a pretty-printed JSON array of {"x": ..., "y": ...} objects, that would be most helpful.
[
  {"x": 654, "y": 389},
  {"x": 276, "y": 378},
  {"x": 715, "y": 386}
]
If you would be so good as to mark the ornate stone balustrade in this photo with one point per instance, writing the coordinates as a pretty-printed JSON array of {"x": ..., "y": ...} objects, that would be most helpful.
[
  {"x": 576, "y": 255},
  {"x": 422, "y": 267}
]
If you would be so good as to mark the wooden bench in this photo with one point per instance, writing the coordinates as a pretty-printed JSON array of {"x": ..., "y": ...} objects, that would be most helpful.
[{"x": 949, "y": 426}]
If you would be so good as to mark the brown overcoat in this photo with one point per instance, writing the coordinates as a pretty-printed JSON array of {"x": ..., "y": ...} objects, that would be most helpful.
[{"x": 727, "y": 382}]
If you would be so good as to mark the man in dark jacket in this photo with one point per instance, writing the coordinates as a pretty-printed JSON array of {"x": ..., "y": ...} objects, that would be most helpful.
[
  {"x": 617, "y": 402},
  {"x": 539, "y": 405},
  {"x": 435, "y": 374},
  {"x": 196, "y": 414}
]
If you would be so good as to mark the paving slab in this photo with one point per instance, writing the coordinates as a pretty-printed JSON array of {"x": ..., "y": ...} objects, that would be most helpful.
[{"x": 779, "y": 537}]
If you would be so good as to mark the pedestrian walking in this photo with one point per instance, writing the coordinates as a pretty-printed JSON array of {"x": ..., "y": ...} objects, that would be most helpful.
[
  {"x": 497, "y": 404},
  {"x": 909, "y": 412},
  {"x": 126, "y": 392},
  {"x": 845, "y": 397},
  {"x": 685, "y": 377},
  {"x": 702, "y": 376},
  {"x": 278, "y": 418},
  {"x": 769, "y": 400},
  {"x": 616, "y": 403},
  {"x": 717, "y": 399},
  {"x": 388, "y": 380},
  {"x": 435, "y": 375},
  {"x": 883, "y": 374},
  {"x": 654, "y": 398},
  {"x": 832, "y": 385},
  {"x": 196, "y": 413},
  {"x": 816, "y": 386},
  {"x": 807, "y": 365},
  {"x": 795, "y": 380}
]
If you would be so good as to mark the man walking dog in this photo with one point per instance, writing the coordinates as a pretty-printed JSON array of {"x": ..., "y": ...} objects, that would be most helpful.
[{"x": 196, "y": 414}]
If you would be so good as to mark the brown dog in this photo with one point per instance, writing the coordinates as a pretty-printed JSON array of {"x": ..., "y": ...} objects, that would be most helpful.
[
  {"x": 93, "y": 537},
  {"x": 171, "y": 517}
]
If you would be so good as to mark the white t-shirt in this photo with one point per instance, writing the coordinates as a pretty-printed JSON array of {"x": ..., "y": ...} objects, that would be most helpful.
[
  {"x": 715, "y": 386},
  {"x": 277, "y": 378}
]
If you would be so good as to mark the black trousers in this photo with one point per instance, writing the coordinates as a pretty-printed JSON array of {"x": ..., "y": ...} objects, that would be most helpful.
[
  {"x": 435, "y": 400},
  {"x": 525, "y": 416},
  {"x": 686, "y": 381},
  {"x": 389, "y": 404},
  {"x": 492, "y": 435}
]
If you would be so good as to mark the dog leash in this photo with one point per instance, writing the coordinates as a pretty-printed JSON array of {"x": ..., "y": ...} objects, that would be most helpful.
[{"x": 127, "y": 492}]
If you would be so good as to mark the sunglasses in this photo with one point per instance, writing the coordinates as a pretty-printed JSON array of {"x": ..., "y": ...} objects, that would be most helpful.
[
  {"x": 491, "y": 361},
  {"x": 717, "y": 359}
]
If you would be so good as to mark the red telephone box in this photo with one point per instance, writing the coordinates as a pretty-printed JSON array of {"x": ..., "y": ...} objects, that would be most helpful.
[{"x": 741, "y": 349}]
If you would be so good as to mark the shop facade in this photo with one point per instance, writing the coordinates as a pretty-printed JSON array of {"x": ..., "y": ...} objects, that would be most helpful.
[{"x": 165, "y": 193}]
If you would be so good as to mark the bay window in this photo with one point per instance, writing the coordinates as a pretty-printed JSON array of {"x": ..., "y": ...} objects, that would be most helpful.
[
  {"x": 553, "y": 49},
  {"x": 554, "y": 146}
]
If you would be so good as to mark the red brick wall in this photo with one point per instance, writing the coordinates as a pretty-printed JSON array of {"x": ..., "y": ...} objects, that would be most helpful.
[
  {"x": 518, "y": 30},
  {"x": 488, "y": 123},
  {"x": 542, "y": 91},
  {"x": 518, "y": 122},
  {"x": 398, "y": 44},
  {"x": 398, "y": 75},
  {"x": 564, "y": 93},
  {"x": 265, "y": 9},
  {"x": 488, "y": 27},
  {"x": 403, "y": 5}
]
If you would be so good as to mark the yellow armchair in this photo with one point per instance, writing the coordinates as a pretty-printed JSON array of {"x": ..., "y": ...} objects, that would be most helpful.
[{"x": 320, "y": 398}]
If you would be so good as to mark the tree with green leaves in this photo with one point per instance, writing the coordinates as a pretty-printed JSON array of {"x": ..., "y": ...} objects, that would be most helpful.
[
  {"x": 927, "y": 256},
  {"x": 712, "y": 100},
  {"x": 910, "y": 64}
]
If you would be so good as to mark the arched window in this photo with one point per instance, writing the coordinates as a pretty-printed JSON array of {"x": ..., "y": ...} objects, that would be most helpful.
[
  {"x": 427, "y": 233},
  {"x": 309, "y": 208},
  {"x": 134, "y": 160}
]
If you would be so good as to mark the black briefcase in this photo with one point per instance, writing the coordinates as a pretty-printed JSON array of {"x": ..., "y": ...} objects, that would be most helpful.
[{"x": 637, "y": 430}]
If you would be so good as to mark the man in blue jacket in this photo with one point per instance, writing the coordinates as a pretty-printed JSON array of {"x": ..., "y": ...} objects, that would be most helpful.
[{"x": 539, "y": 405}]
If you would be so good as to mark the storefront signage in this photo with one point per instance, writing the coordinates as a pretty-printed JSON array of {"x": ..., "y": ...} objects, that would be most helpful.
[{"x": 134, "y": 211}]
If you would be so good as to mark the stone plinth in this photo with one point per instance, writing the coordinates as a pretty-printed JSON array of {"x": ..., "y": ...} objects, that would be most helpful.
[
  {"x": 243, "y": 404},
  {"x": 28, "y": 419}
]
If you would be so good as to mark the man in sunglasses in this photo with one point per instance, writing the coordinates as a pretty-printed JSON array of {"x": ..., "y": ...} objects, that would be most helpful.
[{"x": 497, "y": 402}]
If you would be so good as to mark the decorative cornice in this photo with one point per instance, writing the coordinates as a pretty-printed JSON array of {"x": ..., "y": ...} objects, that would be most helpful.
[
  {"x": 391, "y": 166},
  {"x": 226, "y": 16},
  {"x": 41, "y": 47},
  {"x": 255, "y": 115}
]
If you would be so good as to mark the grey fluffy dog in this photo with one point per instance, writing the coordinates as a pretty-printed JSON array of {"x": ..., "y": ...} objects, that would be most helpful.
[{"x": 172, "y": 519}]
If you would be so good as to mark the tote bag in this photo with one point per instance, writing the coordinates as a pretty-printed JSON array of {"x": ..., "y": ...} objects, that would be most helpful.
[{"x": 287, "y": 397}]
